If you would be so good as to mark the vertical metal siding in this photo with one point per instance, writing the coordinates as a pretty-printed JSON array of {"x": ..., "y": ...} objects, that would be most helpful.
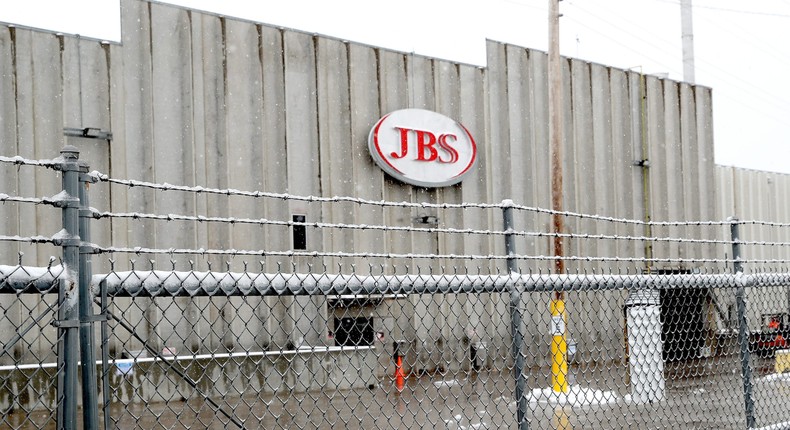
[{"x": 762, "y": 196}]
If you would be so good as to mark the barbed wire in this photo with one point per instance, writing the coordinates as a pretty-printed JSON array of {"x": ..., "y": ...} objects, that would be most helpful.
[
  {"x": 285, "y": 196},
  {"x": 102, "y": 177},
  {"x": 21, "y": 161},
  {"x": 56, "y": 200},
  {"x": 96, "y": 249},
  {"x": 322, "y": 225},
  {"x": 28, "y": 239},
  {"x": 366, "y": 227},
  {"x": 764, "y": 223}
]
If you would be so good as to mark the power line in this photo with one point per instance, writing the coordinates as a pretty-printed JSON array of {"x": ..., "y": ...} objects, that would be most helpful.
[
  {"x": 745, "y": 36},
  {"x": 724, "y": 9},
  {"x": 712, "y": 71},
  {"x": 669, "y": 48},
  {"x": 628, "y": 32},
  {"x": 708, "y": 67}
]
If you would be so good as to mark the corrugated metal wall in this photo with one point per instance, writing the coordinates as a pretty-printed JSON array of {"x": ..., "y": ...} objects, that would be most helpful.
[
  {"x": 752, "y": 195},
  {"x": 196, "y": 99}
]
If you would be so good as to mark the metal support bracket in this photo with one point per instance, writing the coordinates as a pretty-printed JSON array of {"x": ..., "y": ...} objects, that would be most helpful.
[
  {"x": 87, "y": 249},
  {"x": 69, "y": 241},
  {"x": 97, "y": 318},
  {"x": 66, "y": 323},
  {"x": 88, "y": 178}
]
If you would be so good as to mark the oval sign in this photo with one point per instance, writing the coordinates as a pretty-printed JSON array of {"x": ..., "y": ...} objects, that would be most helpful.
[{"x": 422, "y": 148}]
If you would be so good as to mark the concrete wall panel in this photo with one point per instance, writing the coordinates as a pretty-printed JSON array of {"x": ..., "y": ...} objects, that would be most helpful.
[
  {"x": 303, "y": 164},
  {"x": 626, "y": 183},
  {"x": 8, "y": 138},
  {"x": 334, "y": 132},
  {"x": 9, "y": 177},
  {"x": 138, "y": 137},
  {"x": 368, "y": 179},
  {"x": 498, "y": 130}
]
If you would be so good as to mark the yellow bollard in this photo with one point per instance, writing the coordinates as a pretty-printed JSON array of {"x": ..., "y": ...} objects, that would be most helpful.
[
  {"x": 782, "y": 360},
  {"x": 559, "y": 347}
]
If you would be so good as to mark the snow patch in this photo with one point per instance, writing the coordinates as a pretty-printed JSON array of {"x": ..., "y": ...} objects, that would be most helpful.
[
  {"x": 62, "y": 235},
  {"x": 576, "y": 396},
  {"x": 62, "y": 196},
  {"x": 774, "y": 377},
  {"x": 448, "y": 382},
  {"x": 97, "y": 176},
  {"x": 460, "y": 422},
  {"x": 21, "y": 278}
]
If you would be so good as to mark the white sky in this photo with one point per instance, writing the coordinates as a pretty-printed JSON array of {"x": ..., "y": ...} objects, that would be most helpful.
[{"x": 741, "y": 47}]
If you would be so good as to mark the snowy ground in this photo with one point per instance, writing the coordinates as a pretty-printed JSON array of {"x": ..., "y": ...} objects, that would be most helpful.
[{"x": 703, "y": 395}]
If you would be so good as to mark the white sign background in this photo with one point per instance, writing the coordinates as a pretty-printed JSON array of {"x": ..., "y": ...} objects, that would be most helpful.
[{"x": 448, "y": 149}]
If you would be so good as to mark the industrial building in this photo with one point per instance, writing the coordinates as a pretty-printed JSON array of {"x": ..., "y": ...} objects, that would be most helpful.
[{"x": 197, "y": 99}]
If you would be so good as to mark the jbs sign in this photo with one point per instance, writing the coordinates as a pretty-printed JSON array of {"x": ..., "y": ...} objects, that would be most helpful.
[{"x": 422, "y": 148}]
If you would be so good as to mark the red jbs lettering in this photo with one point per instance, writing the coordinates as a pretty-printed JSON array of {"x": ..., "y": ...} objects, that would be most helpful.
[{"x": 425, "y": 146}]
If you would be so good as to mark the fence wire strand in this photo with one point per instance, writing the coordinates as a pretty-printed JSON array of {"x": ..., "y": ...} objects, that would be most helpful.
[
  {"x": 324, "y": 225},
  {"x": 131, "y": 183}
]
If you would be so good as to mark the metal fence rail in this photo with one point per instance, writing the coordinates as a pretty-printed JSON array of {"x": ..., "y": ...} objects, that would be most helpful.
[{"x": 456, "y": 327}]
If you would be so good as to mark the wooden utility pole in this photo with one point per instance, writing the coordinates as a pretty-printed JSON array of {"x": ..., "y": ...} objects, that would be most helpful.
[
  {"x": 559, "y": 345},
  {"x": 555, "y": 129}
]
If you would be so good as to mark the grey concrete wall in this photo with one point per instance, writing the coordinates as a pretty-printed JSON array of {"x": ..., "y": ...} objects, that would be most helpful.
[
  {"x": 197, "y": 99},
  {"x": 152, "y": 380}
]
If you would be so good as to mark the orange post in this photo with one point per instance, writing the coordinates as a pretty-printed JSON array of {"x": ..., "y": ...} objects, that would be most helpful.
[{"x": 399, "y": 376}]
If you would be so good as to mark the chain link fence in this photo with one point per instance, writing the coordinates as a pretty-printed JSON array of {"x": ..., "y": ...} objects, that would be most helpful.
[
  {"x": 29, "y": 357},
  {"x": 438, "y": 315}
]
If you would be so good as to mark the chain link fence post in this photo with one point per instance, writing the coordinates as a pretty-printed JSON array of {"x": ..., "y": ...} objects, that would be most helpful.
[
  {"x": 68, "y": 294},
  {"x": 105, "y": 357},
  {"x": 515, "y": 318},
  {"x": 87, "y": 356},
  {"x": 743, "y": 328}
]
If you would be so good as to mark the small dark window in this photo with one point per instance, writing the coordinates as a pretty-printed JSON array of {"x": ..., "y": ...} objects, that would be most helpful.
[
  {"x": 299, "y": 233},
  {"x": 354, "y": 331}
]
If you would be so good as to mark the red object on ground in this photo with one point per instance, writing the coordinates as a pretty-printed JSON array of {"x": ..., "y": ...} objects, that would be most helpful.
[{"x": 399, "y": 376}]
